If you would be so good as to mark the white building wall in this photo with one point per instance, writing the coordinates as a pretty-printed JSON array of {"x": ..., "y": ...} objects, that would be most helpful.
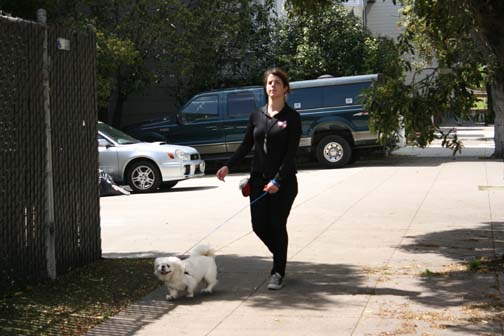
[
  {"x": 357, "y": 7},
  {"x": 278, "y": 6},
  {"x": 382, "y": 18}
]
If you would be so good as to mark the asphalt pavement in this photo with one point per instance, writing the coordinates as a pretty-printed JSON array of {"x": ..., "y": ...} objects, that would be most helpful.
[{"x": 381, "y": 247}]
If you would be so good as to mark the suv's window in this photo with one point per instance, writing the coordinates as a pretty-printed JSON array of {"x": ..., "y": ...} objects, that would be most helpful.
[
  {"x": 240, "y": 104},
  {"x": 306, "y": 98},
  {"x": 343, "y": 94},
  {"x": 202, "y": 109},
  {"x": 326, "y": 96}
]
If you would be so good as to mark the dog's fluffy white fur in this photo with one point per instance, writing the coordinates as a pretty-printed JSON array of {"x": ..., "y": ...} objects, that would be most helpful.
[{"x": 185, "y": 275}]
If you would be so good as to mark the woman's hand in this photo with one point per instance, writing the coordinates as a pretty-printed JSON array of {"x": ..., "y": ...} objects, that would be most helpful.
[
  {"x": 222, "y": 172},
  {"x": 271, "y": 187}
]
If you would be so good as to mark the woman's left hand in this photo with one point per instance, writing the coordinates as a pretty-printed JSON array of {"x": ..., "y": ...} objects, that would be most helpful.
[{"x": 271, "y": 188}]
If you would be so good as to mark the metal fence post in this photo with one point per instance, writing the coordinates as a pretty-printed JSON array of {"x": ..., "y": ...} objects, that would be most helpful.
[{"x": 49, "y": 222}]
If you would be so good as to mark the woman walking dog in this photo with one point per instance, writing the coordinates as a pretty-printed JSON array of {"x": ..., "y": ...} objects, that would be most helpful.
[{"x": 274, "y": 132}]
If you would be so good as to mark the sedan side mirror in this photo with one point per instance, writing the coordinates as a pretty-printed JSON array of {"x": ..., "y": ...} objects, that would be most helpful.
[{"x": 103, "y": 143}]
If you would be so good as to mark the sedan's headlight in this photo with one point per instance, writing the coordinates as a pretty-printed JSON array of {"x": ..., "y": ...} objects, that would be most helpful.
[{"x": 181, "y": 155}]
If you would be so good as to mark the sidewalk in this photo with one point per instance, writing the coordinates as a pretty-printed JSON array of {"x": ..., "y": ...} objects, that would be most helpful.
[
  {"x": 478, "y": 141},
  {"x": 379, "y": 248}
]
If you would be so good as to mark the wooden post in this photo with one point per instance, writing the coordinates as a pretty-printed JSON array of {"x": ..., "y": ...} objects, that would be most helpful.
[{"x": 49, "y": 220}]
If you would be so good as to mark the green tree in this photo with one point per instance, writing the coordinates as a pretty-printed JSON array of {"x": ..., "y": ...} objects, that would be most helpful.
[
  {"x": 131, "y": 35},
  {"x": 115, "y": 56},
  {"x": 303, "y": 52},
  {"x": 220, "y": 43},
  {"x": 132, "y": 39},
  {"x": 347, "y": 50},
  {"x": 465, "y": 37},
  {"x": 190, "y": 45}
]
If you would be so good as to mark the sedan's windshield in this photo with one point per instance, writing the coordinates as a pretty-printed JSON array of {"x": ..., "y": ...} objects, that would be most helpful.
[{"x": 118, "y": 136}]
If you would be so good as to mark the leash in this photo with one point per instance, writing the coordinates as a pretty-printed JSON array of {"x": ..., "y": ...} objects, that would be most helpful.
[{"x": 227, "y": 220}]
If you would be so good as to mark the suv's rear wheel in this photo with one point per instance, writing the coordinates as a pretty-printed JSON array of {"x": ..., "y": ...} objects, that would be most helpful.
[
  {"x": 143, "y": 177},
  {"x": 333, "y": 151}
]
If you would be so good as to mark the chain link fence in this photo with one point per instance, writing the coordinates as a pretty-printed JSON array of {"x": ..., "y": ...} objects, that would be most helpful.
[{"x": 49, "y": 201}]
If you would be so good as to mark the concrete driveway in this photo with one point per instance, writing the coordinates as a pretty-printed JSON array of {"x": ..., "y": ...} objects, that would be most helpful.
[{"x": 378, "y": 248}]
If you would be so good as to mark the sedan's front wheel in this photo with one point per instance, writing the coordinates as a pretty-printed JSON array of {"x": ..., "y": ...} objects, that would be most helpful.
[{"x": 143, "y": 177}]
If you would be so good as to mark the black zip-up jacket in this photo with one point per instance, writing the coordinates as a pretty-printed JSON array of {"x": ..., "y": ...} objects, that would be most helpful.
[{"x": 275, "y": 141}]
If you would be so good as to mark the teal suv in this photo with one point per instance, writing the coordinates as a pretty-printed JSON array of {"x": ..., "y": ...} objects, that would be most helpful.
[{"x": 334, "y": 122}]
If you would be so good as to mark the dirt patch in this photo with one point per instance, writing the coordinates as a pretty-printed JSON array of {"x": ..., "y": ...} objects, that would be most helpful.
[{"x": 77, "y": 301}]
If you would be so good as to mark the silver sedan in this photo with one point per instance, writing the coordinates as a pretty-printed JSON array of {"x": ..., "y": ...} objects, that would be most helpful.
[{"x": 144, "y": 166}]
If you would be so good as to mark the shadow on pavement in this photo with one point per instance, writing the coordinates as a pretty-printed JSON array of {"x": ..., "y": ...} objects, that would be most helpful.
[
  {"x": 461, "y": 245},
  {"x": 413, "y": 161},
  {"x": 243, "y": 280},
  {"x": 309, "y": 286},
  {"x": 323, "y": 286},
  {"x": 184, "y": 189},
  {"x": 476, "y": 290}
]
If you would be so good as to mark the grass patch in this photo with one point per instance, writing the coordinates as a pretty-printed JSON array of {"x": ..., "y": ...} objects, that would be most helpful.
[
  {"x": 428, "y": 273},
  {"x": 76, "y": 301},
  {"x": 474, "y": 265},
  {"x": 486, "y": 264},
  {"x": 481, "y": 103}
]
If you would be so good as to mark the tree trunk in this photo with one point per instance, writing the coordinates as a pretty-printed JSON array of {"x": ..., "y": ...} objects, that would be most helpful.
[
  {"x": 489, "y": 114},
  {"x": 116, "y": 103},
  {"x": 498, "y": 107},
  {"x": 118, "y": 111},
  {"x": 106, "y": 114}
]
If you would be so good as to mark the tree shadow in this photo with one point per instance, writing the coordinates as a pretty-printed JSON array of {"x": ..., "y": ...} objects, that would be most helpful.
[
  {"x": 417, "y": 161},
  {"x": 310, "y": 286},
  {"x": 460, "y": 285},
  {"x": 394, "y": 160},
  {"x": 461, "y": 245},
  {"x": 323, "y": 286}
]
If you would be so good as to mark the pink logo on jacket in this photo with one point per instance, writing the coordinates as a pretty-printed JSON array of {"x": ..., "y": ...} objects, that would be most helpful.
[{"x": 282, "y": 124}]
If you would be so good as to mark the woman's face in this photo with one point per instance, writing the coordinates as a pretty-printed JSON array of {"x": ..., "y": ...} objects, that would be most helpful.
[{"x": 275, "y": 87}]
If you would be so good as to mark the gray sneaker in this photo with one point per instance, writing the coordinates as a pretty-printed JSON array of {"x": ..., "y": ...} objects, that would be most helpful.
[{"x": 276, "y": 281}]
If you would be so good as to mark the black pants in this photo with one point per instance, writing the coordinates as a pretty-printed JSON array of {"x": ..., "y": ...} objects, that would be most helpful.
[{"x": 269, "y": 217}]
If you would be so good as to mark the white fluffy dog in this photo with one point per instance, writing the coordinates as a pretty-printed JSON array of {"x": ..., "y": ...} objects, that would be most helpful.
[{"x": 185, "y": 275}]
